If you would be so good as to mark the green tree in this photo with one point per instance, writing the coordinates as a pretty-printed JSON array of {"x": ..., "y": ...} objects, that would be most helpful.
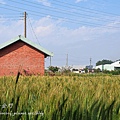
[
  {"x": 97, "y": 70},
  {"x": 53, "y": 69},
  {"x": 86, "y": 70},
  {"x": 103, "y": 62}
]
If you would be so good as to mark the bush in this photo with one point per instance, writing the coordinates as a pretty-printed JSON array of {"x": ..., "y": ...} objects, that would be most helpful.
[{"x": 53, "y": 69}]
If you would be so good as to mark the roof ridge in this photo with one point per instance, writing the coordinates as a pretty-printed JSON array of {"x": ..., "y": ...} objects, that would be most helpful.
[{"x": 29, "y": 42}]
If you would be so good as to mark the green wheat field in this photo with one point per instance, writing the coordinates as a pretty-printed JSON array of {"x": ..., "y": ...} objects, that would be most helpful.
[{"x": 83, "y": 97}]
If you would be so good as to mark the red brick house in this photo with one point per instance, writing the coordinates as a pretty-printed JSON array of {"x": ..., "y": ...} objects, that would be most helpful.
[{"x": 21, "y": 54}]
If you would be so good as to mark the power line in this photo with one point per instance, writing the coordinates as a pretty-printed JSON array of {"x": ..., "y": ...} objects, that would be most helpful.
[
  {"x": 85, "y": 8},
  {"x": 58, "y": 17},
  {"x": 83, "y": 22},
  {"x": 33, "y": 30},
  {"x": 10, "y": 9},
  {"x": 72, "y": 20},
  {"x": 10, "y": 19},
  {"x": 78, "y": 22},
  {"x": 64, "y": 11},
  {"x": 59, "y": 10},
  {"x": 104, "y": 2},
  {"x": 68, "y": 5}
]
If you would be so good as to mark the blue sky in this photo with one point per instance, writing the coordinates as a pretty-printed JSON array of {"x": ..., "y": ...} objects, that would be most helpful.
[{"x": 83, "y": 29}]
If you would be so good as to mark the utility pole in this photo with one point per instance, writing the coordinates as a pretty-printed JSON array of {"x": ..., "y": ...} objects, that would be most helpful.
[
  {"x": 90, "y": 61},
  {"x": 67, "y": 61},
  {"x": 25, "y": 17},
  {"x": 50, "y": 61}
]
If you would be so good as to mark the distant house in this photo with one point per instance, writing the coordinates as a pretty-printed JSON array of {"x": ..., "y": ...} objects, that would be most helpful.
[
  {"x": 90, "y": 68},
  {"x": 78, "y": 69},
  {"x": 21, "y": 54},
  {"x": 110, "y": 67}
]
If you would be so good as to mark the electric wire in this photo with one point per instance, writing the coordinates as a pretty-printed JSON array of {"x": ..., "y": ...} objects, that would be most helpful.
[
  {"x": 71, "y": 20},
  {"x": 57, "y": 17},
  {"x": 33, "y": 30},
  {"x": 85, "y": 8},
  {"x": 64, "y": 11}
]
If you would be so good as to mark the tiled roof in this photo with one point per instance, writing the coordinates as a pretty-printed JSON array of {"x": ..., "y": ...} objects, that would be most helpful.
[{"x": 38, "y": 47}]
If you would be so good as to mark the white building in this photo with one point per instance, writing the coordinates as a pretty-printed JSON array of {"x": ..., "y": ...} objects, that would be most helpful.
[
  {"x": 78, "y": 68},
  {"x": 110, "y": 67}
]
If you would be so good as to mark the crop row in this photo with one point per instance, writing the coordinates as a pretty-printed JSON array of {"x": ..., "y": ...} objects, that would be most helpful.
[{"x": 60, "y": 98}]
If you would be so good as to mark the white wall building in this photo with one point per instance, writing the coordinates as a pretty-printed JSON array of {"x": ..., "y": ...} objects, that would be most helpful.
[
  {"x": 78, "y": 68},
  {"x": 110, "y": 67}
]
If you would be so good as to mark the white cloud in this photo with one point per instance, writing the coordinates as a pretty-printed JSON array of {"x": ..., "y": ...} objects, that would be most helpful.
[
  {"x": 11, "y": 30},
  {"x": 44, "y": 2},
  {"x": 2, "y": 2},
  {"x": 77, "y": 1},
  {"x": 82, "y": 42}
]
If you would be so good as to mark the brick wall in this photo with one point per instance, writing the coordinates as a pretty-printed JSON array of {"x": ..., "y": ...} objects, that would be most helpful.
[{"x": 20, "y": 56}]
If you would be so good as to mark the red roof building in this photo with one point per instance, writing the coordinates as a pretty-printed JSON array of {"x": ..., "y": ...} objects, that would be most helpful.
[{"x": 21, "y": 54}]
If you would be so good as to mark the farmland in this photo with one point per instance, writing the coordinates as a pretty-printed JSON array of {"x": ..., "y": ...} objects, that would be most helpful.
[{"x": 84, "y": 97}]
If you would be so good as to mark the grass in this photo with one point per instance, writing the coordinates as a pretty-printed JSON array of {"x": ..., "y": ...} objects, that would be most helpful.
[{"x": 85, "y": 97}]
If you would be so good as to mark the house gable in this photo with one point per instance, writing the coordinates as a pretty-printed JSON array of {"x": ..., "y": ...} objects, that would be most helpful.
[
  {"x": 19, "y": 55},
  {"x": 27, "y": 41}
]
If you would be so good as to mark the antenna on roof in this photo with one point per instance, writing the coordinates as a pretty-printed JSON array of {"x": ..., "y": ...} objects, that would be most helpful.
[{"x": 25, "y": 16}]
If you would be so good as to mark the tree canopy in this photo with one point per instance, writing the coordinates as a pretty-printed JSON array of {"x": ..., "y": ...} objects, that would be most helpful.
[
  {"x": 53, "y": 69},
  {"x": 103, "y": 62}
]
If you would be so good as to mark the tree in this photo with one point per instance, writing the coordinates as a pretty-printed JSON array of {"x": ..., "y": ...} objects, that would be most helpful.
[
  {"x": 103, "y": 62},
  {"x": 97, "y": 70},
  {"x": 86, "y": 70},
  {"x": 53, "y": 69}
]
